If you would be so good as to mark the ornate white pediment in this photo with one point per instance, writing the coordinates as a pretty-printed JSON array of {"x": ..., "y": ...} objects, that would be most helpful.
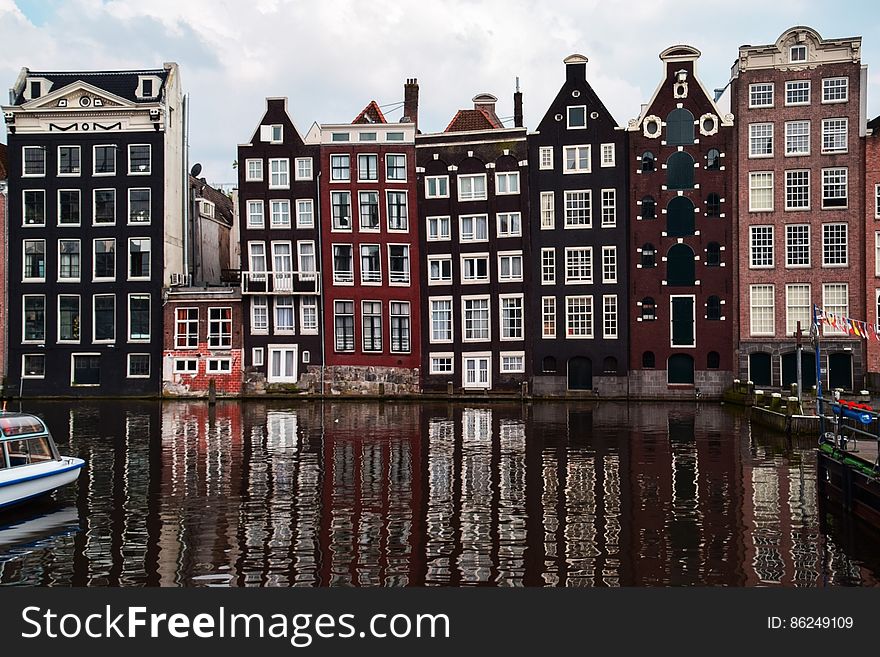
[{"x": 78, "y": 96}]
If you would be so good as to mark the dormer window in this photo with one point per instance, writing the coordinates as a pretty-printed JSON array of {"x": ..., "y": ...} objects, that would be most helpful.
[
  {"x": 207, "y": 209},
  {"x": 797, "y": 54},
  {"x": 36, "y": 89},
  {"x": 577, "y": 117},
  {"x": 148, "y": 87}
]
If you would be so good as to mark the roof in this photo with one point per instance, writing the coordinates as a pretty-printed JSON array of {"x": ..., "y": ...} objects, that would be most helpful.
[
  {"x": 473, "y": 119},
  {"x": 222, "y": 203},
  {"x": 120, "y": 83},
  {"x": 4, "y": 163},
  {"x": 874, "y": 125},
  {"x": 370, "y": 114}
]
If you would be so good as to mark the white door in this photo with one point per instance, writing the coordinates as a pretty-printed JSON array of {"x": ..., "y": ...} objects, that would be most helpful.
[
  {"x": 476, "y": 372},
  {"x": 282, "y": 364}
]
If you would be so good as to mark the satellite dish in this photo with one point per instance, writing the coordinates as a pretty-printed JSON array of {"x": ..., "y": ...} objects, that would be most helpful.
[{"x": 196, "y": 170}]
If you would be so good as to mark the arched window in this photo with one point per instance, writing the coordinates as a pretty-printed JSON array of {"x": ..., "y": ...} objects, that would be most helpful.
[
  {"x": 679, "y": 127},
  {"x": 713, "y": 205},
  {"x": 713, "y": 308},
  {"x": 713, "y": 360},
  {"x": 649, "y": 208},
  {"x": 649, "y": 256},
  {"x": 649, "y": 309},
  {"x": 648, "y": 161},
  {"x": 713, "y": 159},
  {"x": 680, "y": 268},
  {"x": 680, "y": 171},
  {"x": 609, "y": 365},
  {"x": 713, "y": 254},
  {"x": 648, "y": 360},
  {"x": 549, "y": 364},
  {"x": 680, "y": 218},
  {"x": 680, "y": 369}
]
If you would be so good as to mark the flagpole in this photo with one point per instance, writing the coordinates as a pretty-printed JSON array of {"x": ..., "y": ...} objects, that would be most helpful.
[{"x": 819, "y": 408}]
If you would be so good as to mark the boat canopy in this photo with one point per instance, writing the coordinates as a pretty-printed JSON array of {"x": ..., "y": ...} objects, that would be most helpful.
[{"x": 19, "y": 424}]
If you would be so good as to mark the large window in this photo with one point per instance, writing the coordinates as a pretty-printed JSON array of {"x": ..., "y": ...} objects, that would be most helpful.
[
  {"x": 259, "y": 314},
  {"x": 577, "y": 159},
  {"x": 834, "y": 187},
  {"x": 511, "y": 317},
  {"x": 609, "y": 264},
  {"x": 797, "y": 190},
  {"x": 368, "y": 204},
  {"x": 507, "y": 182},
  {"x": 368, "y": 167},
  {"x": 578, "y": 265},
  {"x": 33, "y": 161},
  {"x": 303, "y": 168},
  {"x": 508, "y": 224},
  {"x": 343, "y": 316},
  {"x": 835, "y": 90},
  {"x": 475, "y": 319},
  {"x": 34, "y": 201},
  {"x": 797, "y": 138},
  {"x": 279, "y": 173},
  {"x": 400, "y": 331},
  {"x": 475, "y": 268},
  {"x": 797, "y": 245},
  {"x": 340, "y": 203},
  {"x": 395, "y": 167},
  {"x": 68, "y": 207},
  {"x": 186, "y": 327},
  {"x": 68, "y": 318},
  {"x": 343, "y": 267},
  {"x": 835, "y": 299},
  {"x": 34, "y": 307},
  {"x": 834, "y": 245},
  {"x": 68, "y": 160},
  {"x": 253, "y": 170},
  {"x": 548, "y": 266},
  {"x": 579, "y": 317},
  {"x": 548, "y": 317},
  {"x": 609, "y": 316},
  {"x": 139, "y": 206},
  {"x": 441, "y": 320},
  {"x": 280, "y": 214},
  {"x": 220, "y": 327},
  {"x": 609, "y": 208},
  {"x": 798, "y": 307},
  {"x": 139, "y": 160},
  {"x": 371, "y": 316},
  {"x": 397, "y": 213},
  {"x": 437, "y": 187},
  {"x": 438, "y": 228},
  {"x": 104, "y": 318},
  {"x": 578, "y": 209},
  {"x": 761, "y": 246},
  {"x": 761, "y": 191},
  {"x": 104, "y": 260},
  {"x": 472, "y": 187},
  {"x": 797, "y": 92},
  {"x": 308, "y": 309},
  {"x": 398, "y": 263},
  {"x": 284, "y": 314},
  {"x": 761, "y": 94},
  {"x": 139, "y": 258},
  {"x": 139, "y": 317},
  {"x": 68, "y": 260},
  {"x": 510, "y": 266},
  {"x": 473, "y": 227},
  {"x": 34, "y": 261},
  {"x": 760, "y": 139},
  {"x": 548, "y": 210},
  {"x": 762, "y": 305},
  {"x": 255, "y": 218},
  {"x": 439, "y": 270},
  {"x": 340, "y": 167},
  {"x": 371, "y": 264},
  {"x": 834, "y": 135}
]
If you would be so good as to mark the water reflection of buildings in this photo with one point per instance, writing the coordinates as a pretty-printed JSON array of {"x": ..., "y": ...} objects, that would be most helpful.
[{"x": 398, "y": 494}]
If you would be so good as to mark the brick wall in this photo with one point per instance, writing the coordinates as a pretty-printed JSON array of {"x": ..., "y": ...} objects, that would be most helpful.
[
  {"x": 198, "y": 383},
  {"x": 872, "y": 239}
]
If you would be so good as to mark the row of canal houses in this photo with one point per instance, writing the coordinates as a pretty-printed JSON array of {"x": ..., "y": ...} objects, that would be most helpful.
[{"x": 658, "y": 259}]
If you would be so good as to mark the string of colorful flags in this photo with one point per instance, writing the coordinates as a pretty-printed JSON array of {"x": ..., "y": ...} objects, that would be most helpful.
[{"x": 853, "y": 327}]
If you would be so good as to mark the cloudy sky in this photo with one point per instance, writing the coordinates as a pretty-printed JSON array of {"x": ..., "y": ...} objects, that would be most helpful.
[{"x": 331, "y": 57}]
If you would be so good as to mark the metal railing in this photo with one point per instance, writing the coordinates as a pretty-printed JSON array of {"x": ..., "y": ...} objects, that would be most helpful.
[{"x": 281, "y": 282}]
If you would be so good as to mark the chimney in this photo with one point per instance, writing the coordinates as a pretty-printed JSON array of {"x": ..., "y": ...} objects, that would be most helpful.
[
  {"x": 486, "y": 102},
  {"x": 411, "y": 101},
  {"x": 517, "y": 106},
  {"x": 575, "y": 68}
]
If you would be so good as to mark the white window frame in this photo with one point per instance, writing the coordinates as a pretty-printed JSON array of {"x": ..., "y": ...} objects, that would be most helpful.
[
  {"x": 766, "y": 175},
  {"x": 104, "y": 279},
  {"x": 113, "y": 149},
  {"x": 259, "y": 314},
  {"x": 548, "y": 317},
  {"x": 548, "y": 266},
  {"x": 755, "y": 139},
  {"x": 24, "y": 192},
  {"x": 283, "y": 173},
  {"x": 128, "y": 316},
  {"x": 521, "y": 355},
  {"x": 789, "y": 246},
  {"x": 610, "y": 330},
  {"x": 24, "y": 277},
  {"x": 440, "y": 220},
  {"x": 287, "y": 377},
  {"x": 790, "y": 88},
  {"x": 24, "y": 372},
  {"x": 577, "y": 159},
  {"x": 522, "y": 309},
  {"x": 280, "y": 204},
  {"x": 451, "y": 324},
  {"x": 300, "y": 222},
  {"x": 608, "y": 155},
  {"x": 388, "y": 178},
  {"x": 464, "y": 332},
  {"x": 79, "y": 213},
  {"x": 609, "y": 263},
  {"x": 58, "y": 318},
  {"x": 438, "y": 356},
  {"x": 545, "y": 158},
  {"x": 789, "y": 190},
  {"x": 128, "y": 260},
  {"x": 511, "y": 256},
  {"x": 258, "y": 357},
  {"x": 826, "y": 132},
  {"x": 826, "y": 85},
  {"x": 508, "y": 233},
  {"x": 181, "y": 366},
  {"x": 580, "y": 280},
  {"x": 805, "y": 316},
  {"x": 149, "y": 216},
  {"x": 548, "y": 210},
  {"x": 45, "y": 161},
  {"x": 589, "y": 199},
  {"x": 829, "y": 171},
  {"x": 303, "y": 169},
  {"x": 568, "y": 124},
  {"x": 609, "y": 208},
  {"x": 476, "y": 356},
  {"x": 438, "y": 182},
  {"x": 139, "y": 376},
  {"x": 445, "y": 257},
  {"x": 307, "y": 325},
  {"x": 475, "y": 217},
  {"x": 834, "y": 308},
  {"x": 753, "y": 91},
  {"x": 74, "y": 174},
  {"x": 69, "y": 279},
  {"x": 790, "y": 134},
  {"x": 755, "y": 230},
  {"x": 591, "y": 328},
  {"x": 250, "y": 206},
  {"x": 508, "y": 180},
  {"x": 826, "y": 245},
  {"x": 756, "y": 329},
  {"x": 464, "y": 258},
  {"x": 149, "y": 166},
  {"x": 472, "y": 195}
]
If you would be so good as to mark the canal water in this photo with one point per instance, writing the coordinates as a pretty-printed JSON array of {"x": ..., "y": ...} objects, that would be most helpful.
[{"x": 398, "y": 494}]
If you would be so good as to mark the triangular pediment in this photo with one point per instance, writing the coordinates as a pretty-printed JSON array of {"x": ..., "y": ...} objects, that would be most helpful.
[{"x": 73, "y": 93}]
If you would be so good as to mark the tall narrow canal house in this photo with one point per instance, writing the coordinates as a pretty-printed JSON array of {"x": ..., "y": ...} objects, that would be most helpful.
[
  {"x": 681, "y": 260},
  {"x": 369, "y": 244},
  {"x": 96, "y": 198},
  {"x": 801, "y": 108},
  {"x": 474, "y": 228},
  {"x": 278, "y": 174},
  {"x": 578, "y": 284}
]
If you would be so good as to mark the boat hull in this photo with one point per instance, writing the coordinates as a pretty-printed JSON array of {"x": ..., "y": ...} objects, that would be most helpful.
[
  {"x": 19, "y": 485},
  {"x": 850, "y": 488}
]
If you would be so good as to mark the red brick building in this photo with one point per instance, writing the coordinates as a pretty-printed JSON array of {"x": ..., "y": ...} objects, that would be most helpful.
[
  {"x": 872, "y": 245},
  {"x": 203, "y": 341},
  {"x": 800, "y": 107},
  {"x": 681, "y": 262},
  {"x": 369, "y": 242}
]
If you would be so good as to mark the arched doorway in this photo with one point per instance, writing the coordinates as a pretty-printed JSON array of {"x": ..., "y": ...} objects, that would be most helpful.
[
  {"x": 680, "y": 220},
  {"x": 680, "y": 267},
  {"x": 840, "y": 371},
  {"x": 580, "y": 373},
  {"x": 760, "y": 369}
]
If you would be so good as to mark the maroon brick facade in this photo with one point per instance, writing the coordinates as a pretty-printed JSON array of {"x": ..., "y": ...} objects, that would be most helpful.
[
  {"x": 680, "y": 259},
  {"x": 800, "y": 223},
  {"x": 872, "y": 243},
  {"x": 202, "y": 331}
]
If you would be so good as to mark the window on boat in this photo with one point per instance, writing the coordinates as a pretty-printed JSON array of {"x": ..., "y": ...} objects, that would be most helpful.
[
  {"x": 29, "y": 451},
  {"x": 20, "y": 424}
]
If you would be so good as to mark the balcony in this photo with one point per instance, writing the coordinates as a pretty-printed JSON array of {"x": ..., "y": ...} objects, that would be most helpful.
[{"x": 281, "y": 282}]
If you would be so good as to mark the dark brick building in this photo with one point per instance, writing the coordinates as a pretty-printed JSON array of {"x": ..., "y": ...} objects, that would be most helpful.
[
  {"x": 578, "y": 192},
  {"x": 473, "y": 189},
  {"x": 280, "y": 236},
  {"x": 681, "y": 261},
  {"x": 872, "y": 245},
  {"x": 800, "y": 108}
]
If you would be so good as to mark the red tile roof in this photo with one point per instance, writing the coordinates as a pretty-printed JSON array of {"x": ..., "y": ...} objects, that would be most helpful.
[
  {"x": 473, "y": 119},
  {"x": 370, "y": 114}
]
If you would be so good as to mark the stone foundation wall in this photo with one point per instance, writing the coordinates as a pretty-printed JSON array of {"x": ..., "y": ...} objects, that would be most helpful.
[
  {"x": 362, "y": 380},
  {"x": 651, "y": 384}
]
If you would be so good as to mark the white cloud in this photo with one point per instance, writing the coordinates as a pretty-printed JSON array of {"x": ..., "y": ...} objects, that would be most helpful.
[{"x": 331, "y": 57}]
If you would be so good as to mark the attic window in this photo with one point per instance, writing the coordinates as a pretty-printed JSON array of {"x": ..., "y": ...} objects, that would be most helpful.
[
  {"x": 36, "y": 89},
  {"x": 798, "y": 54},
  {"x": 147, "y": 88},
  {"x": 577, "y": 117},
  {"x": 339, "y": 136},
  {"x": 207, "y": 209},
  {"x": 277, "y": 133},
  {"x": 367, "y": 136},
  {"x": 393, "y": 136}
]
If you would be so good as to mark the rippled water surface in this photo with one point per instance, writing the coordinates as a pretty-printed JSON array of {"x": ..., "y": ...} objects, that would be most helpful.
[{"x": 370, "y": 494}]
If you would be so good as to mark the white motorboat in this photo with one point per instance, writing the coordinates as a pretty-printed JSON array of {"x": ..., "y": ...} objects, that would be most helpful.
[{"x": 30, "y": 465}]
